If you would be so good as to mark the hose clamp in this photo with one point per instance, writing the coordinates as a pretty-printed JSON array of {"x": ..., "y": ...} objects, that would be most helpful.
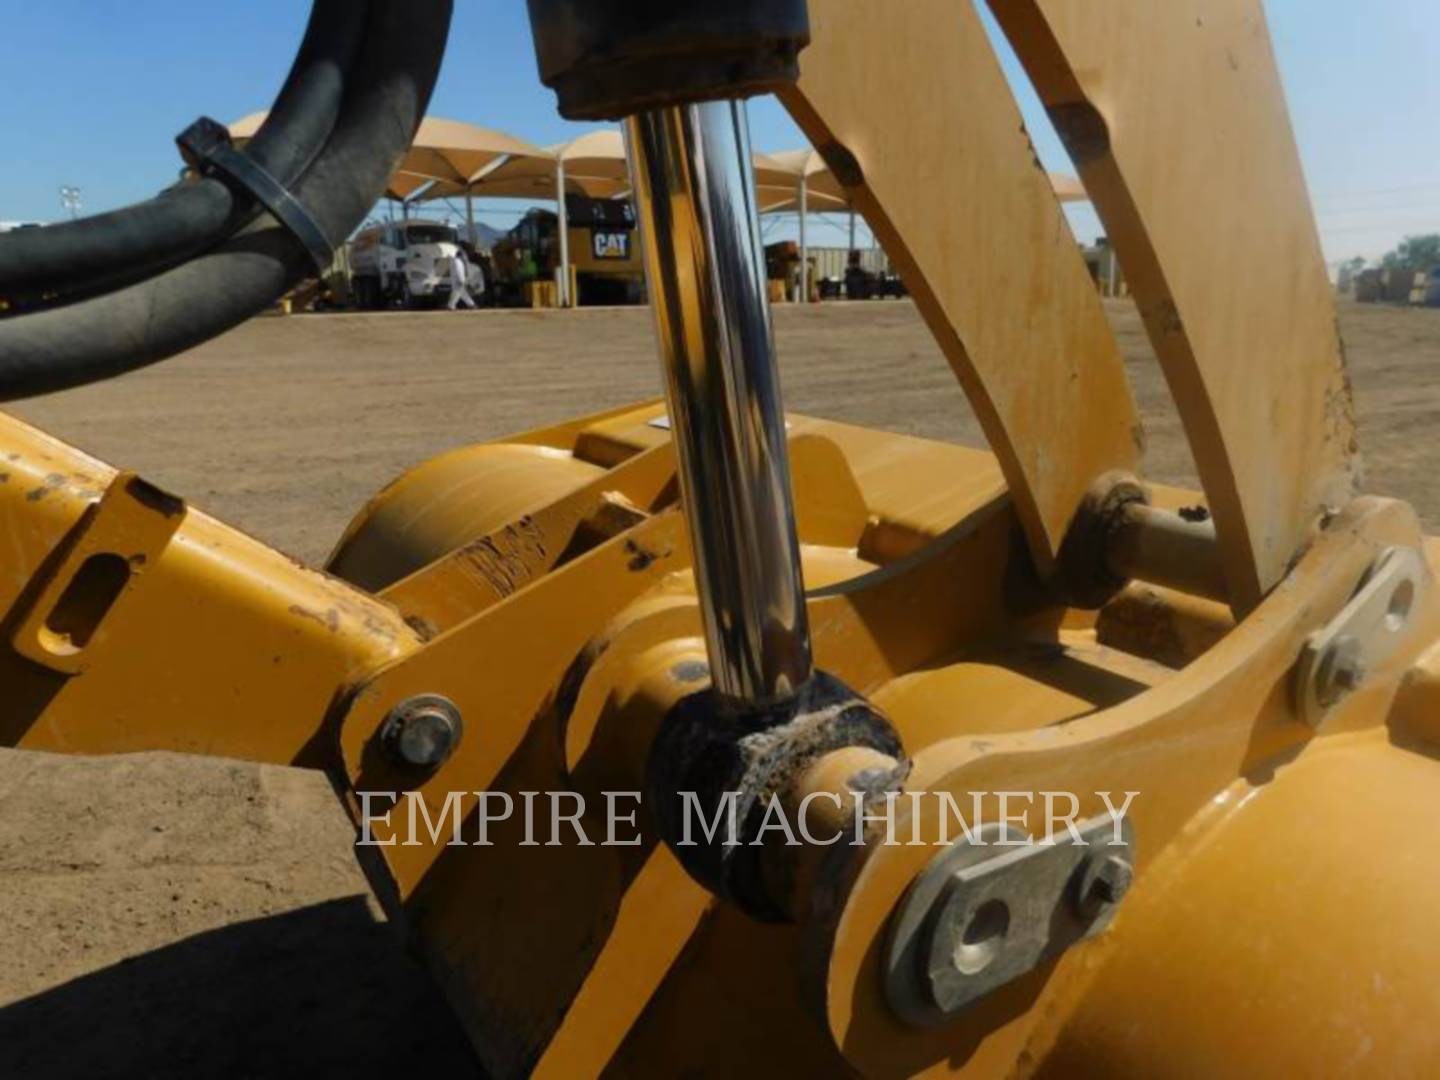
[{"x": 207, "y": 148}]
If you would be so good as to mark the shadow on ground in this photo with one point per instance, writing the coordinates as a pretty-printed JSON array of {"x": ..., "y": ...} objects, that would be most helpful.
[{"x": 211, "y": 1006}]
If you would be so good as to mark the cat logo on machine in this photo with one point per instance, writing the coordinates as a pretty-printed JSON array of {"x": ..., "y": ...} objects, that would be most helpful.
[{"x": 610, "y": 245}]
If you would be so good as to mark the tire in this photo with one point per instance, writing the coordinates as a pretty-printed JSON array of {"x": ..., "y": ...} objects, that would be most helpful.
[{"x": 372, "y": 294}]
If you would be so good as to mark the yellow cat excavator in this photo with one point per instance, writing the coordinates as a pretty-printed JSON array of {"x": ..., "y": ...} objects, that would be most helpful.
[{"x": 695, "y": 738}]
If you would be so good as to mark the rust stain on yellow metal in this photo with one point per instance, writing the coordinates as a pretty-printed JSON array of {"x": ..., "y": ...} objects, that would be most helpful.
[
  {"x": 463, "y": 494},
  {"x": 489, "y": 568}
]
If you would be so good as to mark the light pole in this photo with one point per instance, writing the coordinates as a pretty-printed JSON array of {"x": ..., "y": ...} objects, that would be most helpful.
[{"x": 70, "y": 199}]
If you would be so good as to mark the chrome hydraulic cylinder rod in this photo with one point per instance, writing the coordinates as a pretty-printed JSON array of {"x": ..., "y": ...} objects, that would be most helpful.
[{"x": 700, "y": 233}]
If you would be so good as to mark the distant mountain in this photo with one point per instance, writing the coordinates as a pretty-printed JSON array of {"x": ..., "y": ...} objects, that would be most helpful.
[{"x": 485, "y": 236}]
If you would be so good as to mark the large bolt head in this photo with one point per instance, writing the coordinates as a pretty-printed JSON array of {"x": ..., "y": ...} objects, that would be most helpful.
[
  {"x": 1112, "y": 879},
  {"x": 422, "y": 732},
  {"x": 1104, "y": 880}
]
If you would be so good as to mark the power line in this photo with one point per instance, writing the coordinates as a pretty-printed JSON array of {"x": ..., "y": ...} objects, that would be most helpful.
[
  {"x": 1429, "y": 204},
  {"x": 1378, "y": 227},
  {"x": 1365, "y": 192}
]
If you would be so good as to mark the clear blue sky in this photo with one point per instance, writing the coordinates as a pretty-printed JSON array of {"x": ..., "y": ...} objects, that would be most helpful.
[{"x": 93, "y": 91}]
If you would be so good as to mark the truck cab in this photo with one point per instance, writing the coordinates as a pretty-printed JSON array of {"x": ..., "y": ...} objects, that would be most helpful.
[{"x": 404, "y": 264}]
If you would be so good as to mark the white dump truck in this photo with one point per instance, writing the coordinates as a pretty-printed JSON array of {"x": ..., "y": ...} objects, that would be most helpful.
[{"x": 405, "y": 263}]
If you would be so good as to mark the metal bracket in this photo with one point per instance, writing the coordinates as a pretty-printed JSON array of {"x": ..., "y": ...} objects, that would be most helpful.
[
  {"x": 117, "y": 539},
  {"x": 1338, "y": 657},
  {"x": 984, "y": 913}
]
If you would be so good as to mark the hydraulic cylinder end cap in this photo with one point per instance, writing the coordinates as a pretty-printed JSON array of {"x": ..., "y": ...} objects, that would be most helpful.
[{"x": 607, "y": 59}]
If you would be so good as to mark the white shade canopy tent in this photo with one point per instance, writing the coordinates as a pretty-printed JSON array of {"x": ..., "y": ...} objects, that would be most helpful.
[
  {"x": 594, "y": 165},
  {"x": 447, "y": 152},
  {"x": 450, "y": 158},
  {"x": 777, "y": 190},
  {"x": 812, "y": 184}
]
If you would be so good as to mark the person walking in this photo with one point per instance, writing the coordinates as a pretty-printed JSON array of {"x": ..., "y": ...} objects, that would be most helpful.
[
  {"x": 459, "y": 281},
  {"x": 475, "y": 274}
]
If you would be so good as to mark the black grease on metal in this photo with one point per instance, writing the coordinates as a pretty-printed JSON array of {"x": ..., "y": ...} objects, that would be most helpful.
[
  {"x": 711, "y": 749},
  {"x": 1085, "y": 580},
  {"x": 53, "y": 481},
  {"x": 641, "y": 558},
  {"x": 424, "y": 629},
  {"x": 152, "y": 498}
]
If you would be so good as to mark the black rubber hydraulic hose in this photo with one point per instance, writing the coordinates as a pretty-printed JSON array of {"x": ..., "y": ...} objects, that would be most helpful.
[
  {"x": 221, "y": 288},
  {"x": 308, "y": 105},
  {"x": 107, "y": 250}
]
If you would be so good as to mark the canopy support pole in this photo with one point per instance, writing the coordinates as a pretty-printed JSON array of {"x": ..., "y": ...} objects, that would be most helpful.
[
  {"x": 852, "y": 228},
  {"x": 563, "y": 288},
  {"x": 470, "y": 216},
  {"x": 804, "y": 251}
]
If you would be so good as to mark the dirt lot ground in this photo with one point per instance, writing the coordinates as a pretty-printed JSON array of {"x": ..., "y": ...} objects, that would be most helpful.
[{"x": 168, "y": 916}]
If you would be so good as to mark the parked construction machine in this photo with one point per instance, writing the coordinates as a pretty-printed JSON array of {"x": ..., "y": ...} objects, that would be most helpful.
[
  {"x": 602, "y": 255},
  {"x": 1142, "y": 775}
]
